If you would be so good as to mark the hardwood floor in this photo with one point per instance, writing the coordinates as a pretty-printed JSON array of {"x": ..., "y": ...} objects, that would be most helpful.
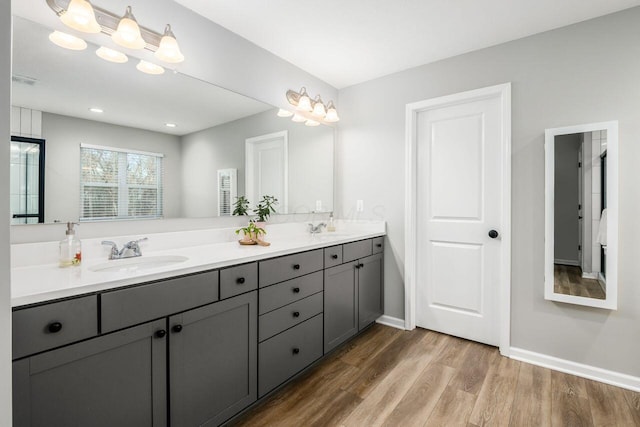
[
  {"x": 388, "y": 377},
  {"x": 568, "y": 280}
]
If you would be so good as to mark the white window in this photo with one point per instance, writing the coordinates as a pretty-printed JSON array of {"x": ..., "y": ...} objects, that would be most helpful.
[{"x": 119, "y": 184}]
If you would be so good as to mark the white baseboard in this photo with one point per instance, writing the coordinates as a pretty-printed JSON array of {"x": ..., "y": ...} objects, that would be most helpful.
[
  {"x": 567, "y": 262},
  {"x": 589, "y": 275},
  {"x": 586, "y": 371},
  {"x": 394, "y": 322}
]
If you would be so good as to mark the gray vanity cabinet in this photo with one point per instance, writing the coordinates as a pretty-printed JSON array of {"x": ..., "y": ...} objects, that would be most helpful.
[
  {"x": 340, "y": 305},
  {"x": 213, "y": 361},
  {"x": 118, "y": 379},
  {"x": 370, "y": 294}
]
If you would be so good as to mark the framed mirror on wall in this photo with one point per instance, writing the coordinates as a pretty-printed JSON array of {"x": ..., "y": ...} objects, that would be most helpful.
[{"x": 581, "y": 214}]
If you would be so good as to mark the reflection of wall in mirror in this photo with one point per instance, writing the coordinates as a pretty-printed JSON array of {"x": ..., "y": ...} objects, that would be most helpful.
[
  {"x": 566, "y": 225},
  {"x": 310, "y": 162}
]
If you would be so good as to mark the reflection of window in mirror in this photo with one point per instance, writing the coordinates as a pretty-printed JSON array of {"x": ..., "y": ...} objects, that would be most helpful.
[
  {"x": 578, "y": 215},
  {"x": 119, "y": 184},
  {"x": 27, "y": 180}
]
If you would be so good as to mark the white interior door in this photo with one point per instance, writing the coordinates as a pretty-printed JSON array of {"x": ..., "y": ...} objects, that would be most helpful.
[
  {"x": 267, "y": 169},
  {"x": 459, "y": 218}
]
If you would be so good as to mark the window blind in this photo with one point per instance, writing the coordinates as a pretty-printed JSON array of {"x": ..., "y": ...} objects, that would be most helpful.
[
  {"x": 119, "y": 184},
  {"x": 227, "y": 190}
]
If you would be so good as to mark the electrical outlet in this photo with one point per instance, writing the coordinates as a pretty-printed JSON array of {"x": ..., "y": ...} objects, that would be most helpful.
[{"x": 359, "y": 205}]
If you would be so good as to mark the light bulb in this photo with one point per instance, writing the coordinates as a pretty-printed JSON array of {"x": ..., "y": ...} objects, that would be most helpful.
[
  {"x": 332, "y": 113},
  {"x": 311, "y": 123},
  {"x": 67, "y": 41},
  {"x": 304, "y": 102},
  {"x": 284, "y": 113},
  {"x": 318, "y": 108},
  {"x": 128, "y": 32},
  {"x": 298, "y": 118},
  {"x": 111, "y": 55},
  {"x": 169, "y": 51},
  {"x": 149, "y": 68},
  {"x": 80, "y": 16}
]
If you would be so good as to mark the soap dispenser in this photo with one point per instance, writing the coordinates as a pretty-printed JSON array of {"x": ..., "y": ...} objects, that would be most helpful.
[
  {"x": 332, "y": 225},
  {"x": 70, "y": 248}
]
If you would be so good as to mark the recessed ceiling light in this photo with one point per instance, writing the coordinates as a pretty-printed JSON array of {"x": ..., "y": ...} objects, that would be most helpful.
[
  {"x": 170, "y": 125},
  {"x": 96, "y": 110}
]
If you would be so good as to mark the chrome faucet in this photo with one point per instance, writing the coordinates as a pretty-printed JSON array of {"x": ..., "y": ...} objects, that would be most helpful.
[
  {"x": 129, "y": 250},
  {"x": 315, "y": 229}
]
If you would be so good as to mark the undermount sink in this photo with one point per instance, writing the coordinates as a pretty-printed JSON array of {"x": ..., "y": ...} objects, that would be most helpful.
[{"x": 138, "y": 263}]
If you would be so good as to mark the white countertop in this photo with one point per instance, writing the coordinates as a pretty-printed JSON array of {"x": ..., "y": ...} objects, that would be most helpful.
[{"x": 46, "y": 281}]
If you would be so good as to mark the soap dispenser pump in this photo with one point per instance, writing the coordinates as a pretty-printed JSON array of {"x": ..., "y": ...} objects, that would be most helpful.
[
  {"x": 332, "y": 225},
  {"x": 70, "y": 248}
]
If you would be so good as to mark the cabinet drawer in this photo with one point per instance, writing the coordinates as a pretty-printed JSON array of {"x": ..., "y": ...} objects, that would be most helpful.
[
  {"x": 284, "y": 293},
  {"x": 52, "y": 325},
  {"x": 378, "y": 245},
  {"x": 290, "y": 266},
  {"x": 355, "y": 250},
  {"x": 290, "y": 315},
  {"x": 288, "y": 353},
  {"x": 332, "y": 256},
  {"x": 142, "y": 303},
  {"x": 238, "y": 280}
]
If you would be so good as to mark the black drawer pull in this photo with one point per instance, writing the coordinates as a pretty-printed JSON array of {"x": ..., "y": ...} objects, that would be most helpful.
[
  {"x": 360, "y": 265},
  {"x": 296, "y": 314},
  {"x": 177, "y": 328},
  {"x": 334, "y": 256},
  {"x": 296, "y": 266},
  {"x": 240, "y": 280},
  {"x": 296, "y": 290},
  {"x": 296, "y": 350},
  {"x": 55, "y": 327},
  {"x": 161, "y": 333},
  {"x": 378, "y": 245}
]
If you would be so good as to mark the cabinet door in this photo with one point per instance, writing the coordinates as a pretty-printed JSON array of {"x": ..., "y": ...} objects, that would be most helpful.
[
  {"x": 370, "y": 295},
  {"x": 213, "y": 361},
  {"x": 340, "y": 305},
  {"x": 117, "y": 379}
]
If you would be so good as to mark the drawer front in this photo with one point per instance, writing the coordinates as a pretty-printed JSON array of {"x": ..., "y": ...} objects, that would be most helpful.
[
  {"x": 288, "y": 353},
  {"x": 290, "y": 266},
  {"x": 147, "y": 302},
  {"x": 332, "y": 256},
  {"x": 52, "y": 325},
  {"x": 378, "y": 245},
  {"x": 355, "y": 250},
  {"x": 290, "y": 315},
  {"x": 284, "y": 293},
  {"x": 238, "y": 280}
]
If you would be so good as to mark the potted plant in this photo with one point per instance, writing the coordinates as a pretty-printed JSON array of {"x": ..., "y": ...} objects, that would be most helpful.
[
  {"x": 251, "y": 234},
  {"x": 264, "y": 209},
  {"x": 241, "y": 206}
]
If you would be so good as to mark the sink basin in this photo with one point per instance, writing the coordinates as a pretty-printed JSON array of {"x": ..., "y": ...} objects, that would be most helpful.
[{"x": 138, "y": 264}]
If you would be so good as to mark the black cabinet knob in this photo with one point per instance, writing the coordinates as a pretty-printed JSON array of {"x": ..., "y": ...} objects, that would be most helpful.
[
  {"x": 296, "y": 266},
  {"x": 54, "y": 327},
  {"x": 493, "y": 234},
  {"x": 177, "y": 328},
  {"x": 161, "y": 333},
  {"x": 296, "y": 290},
  {"x": 378, "y": 245},
  {"x": 334, "y": 256},
  {"x": 359, "y": 265},
  {"x": 296, "y": 350},
  {"x": 296, "y": 314},
  {"x": 240, "y": 280}
]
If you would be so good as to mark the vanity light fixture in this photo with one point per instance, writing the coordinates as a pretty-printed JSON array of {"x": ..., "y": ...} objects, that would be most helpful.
[
  {"x": 284, "y": 113},
  {"x": 67, "y": 41},
  {"x": 124, "y": 30},
  {"x": 149, "y": 67},
  {"x": 304, "y": 102},
  {"x": 332, "y": 113},
  {"x": 80, "y": 16},
  {"x": 318, "y": 108},
  {"x": 316, "y": 112},
  {"x": 311, "y": 123},
  {"x": 111, "y": 55},
  {"x": 298, "y": 118}
]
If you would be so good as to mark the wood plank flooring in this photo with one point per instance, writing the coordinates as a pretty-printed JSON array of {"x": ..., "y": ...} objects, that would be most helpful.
[
  {"x": 568, "y": 280},
  {"x": 389, "y": 377}
]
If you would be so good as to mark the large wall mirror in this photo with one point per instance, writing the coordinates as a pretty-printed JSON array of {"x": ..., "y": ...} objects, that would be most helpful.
[
  {"x": 104, "y": 127},
  {"x": 581, "y": 225}
]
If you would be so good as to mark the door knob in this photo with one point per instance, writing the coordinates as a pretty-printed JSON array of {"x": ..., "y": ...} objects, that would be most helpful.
[{"x": 493, "y": 234}]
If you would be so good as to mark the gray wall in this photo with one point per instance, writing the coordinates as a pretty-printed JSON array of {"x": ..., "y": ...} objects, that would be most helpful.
[
  {"x": 565, "y": 210},
  {"x": 5, "y": 288},
  {"x": 63, "y": 137},
  {"x": 310, "y": 151},
  {"x": 579, "y": 74}
]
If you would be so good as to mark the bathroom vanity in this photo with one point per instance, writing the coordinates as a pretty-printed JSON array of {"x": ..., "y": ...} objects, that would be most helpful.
[{"x": 196, "y": 348}]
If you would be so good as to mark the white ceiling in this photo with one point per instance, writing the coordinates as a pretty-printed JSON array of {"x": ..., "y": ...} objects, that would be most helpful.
[{"x": 345, "y": 42}]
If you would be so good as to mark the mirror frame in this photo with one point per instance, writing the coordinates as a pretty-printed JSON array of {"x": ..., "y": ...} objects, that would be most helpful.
[{"x": 611, "y": 298}]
